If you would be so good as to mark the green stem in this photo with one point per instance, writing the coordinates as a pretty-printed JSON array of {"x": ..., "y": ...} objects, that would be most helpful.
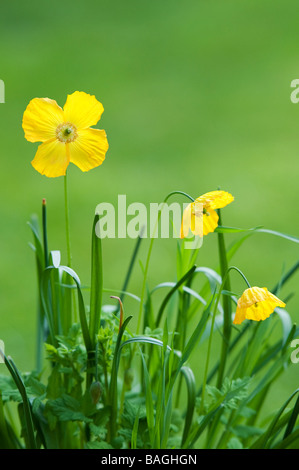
[
  {"x": 224, "y": 279},
  {"x": 227, "y": 310},
  {"x": 149, "y": 255},
  {"x": 27, "y": 408},
  {"x": 45, "y": 238},
  {"x": 179, "y": 192},
  {"x": 67, "y": 222},
  {"x": 68, "y": 240}
]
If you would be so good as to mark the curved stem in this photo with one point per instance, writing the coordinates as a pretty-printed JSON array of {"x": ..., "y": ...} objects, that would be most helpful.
[
  {"x": 149, "y": 255},
  {"x": 179, "y": 192},
  {"x": 243, "y": 275}
]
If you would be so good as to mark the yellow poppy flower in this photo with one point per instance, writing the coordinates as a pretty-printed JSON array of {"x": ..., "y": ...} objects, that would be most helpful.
[
  {"x": 200, "y": 216},
  {"x": 256, "y": 303},
  {"x": 65, "y": 134}
]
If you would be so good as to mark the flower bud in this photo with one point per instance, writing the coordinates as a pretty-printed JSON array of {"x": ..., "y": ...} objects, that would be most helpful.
[{"x": 95, "y": 392}]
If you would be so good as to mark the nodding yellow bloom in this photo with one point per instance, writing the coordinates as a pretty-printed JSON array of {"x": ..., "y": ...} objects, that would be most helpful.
[
  {"x": 200, "y": 216},
  {"x": 65, "y": 134},
  {"x": 256, "y": 303}
]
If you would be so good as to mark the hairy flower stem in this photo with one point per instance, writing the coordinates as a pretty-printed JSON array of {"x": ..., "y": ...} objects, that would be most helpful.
[
  {"x": 67, "y": 222},
  {"x": 68, "y": 239}
]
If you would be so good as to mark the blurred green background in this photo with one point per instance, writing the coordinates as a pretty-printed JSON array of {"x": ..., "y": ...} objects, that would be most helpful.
[{"x": 196, "y": 97}]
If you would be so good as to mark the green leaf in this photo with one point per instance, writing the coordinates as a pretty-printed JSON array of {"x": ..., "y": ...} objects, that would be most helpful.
[
  {"x": 234, "y": 443},
  {"x": 203, "y": 423},
  {"x": 9, "y": 390},
  {"x": 34, "y": 387},
  {"x": 278, "y": 234},
  {"x": 292, "y": 420},
  {"x": 289, "y": 442},
  {"x": 40, "y": 256},
  {"x": 82, "y": 312},
  {"x": 33, "y": 224},
  {"x": 191, "y": 394},
  {"x": 222, "y": 229},
  {"x": 131, "y": 265},
  {"x": 6, "y": 441},
  {"x": 96, "y": 287},
  {"x": 231, "y": 392},
  {"x": 135, "y": 431},
  {"x": 292, "y": 238},
  {"x": 226, "y": 301},
  {"x": 243, "y": 431},
  {"x": 143, "y": 339},
  {"x": 263, "y": 441},
  {"x": 113, "y": 380},
  {"x": 172, "y": 291},
  {"x": 98, "y": 445},
  {"x": 150, "y": 416},
  {"x": 28, "y": 420},
  {"x": 195, "y": 337},
  {"x": 55, "y": 258},
  {"x": 286, "y": 322},
  {"x": 67, "y": 408}
]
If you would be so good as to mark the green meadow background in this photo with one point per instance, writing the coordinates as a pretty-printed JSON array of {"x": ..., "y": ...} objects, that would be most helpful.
[{"x": 196, "y": 97}]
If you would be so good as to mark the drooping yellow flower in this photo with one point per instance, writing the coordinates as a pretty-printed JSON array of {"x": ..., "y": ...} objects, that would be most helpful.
[
  {"x": 200, "y": 216},
  {"x": 65, "y": 134},
  {"x": 256, "y": 303}
]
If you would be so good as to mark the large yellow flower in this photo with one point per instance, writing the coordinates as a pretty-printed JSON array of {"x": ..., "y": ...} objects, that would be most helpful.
[
  {"x": 256, "y": 303},
  {"x": 65, "y": 133},
  {"x": 200, "y": 216}
]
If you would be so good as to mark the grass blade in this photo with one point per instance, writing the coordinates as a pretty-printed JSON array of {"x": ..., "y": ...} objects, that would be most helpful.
[
  {"x": 191, "y": 393},
  {"x": 149, "y": 404},
  {"x": 227, "y": 310},
  {"x": 96, "y": 287},
  {"x": 172, "y": 291},
  {"x": 292, "y": 420},
  {"x": 131, "y": 265},
  {"x": 261, "y": 443},
  {"x": 29, "y": 428},
  {"x": 113, "y": 381}
]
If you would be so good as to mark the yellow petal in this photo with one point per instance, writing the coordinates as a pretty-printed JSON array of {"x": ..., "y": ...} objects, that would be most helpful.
[
  {"x": 186, "y": 221},
  {"x": 252, "y": 295},
  {"x": 89, "y": 149},
  {"x": 200, "y": 224},
  {"x": 51, "y": 158},
  {"x": 210, "y": 221},
  {"x": 216, "y": 199},
  {"x": 260, "y": 311},
  {"x": 192, "y": 220},
  {"x": 240, "y": 316},
  {"x": 256, "y": 303},
  {"x": 82, "y": 110},
  {"x": 40, "y": 119},
  {"x": 278, "y": 302}
]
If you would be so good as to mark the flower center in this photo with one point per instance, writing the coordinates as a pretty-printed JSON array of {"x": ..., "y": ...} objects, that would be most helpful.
[
  {"x": 66, "y": 132},
  {"x": 200, "y": 212},
  {"x": 198, "y": 209}
]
